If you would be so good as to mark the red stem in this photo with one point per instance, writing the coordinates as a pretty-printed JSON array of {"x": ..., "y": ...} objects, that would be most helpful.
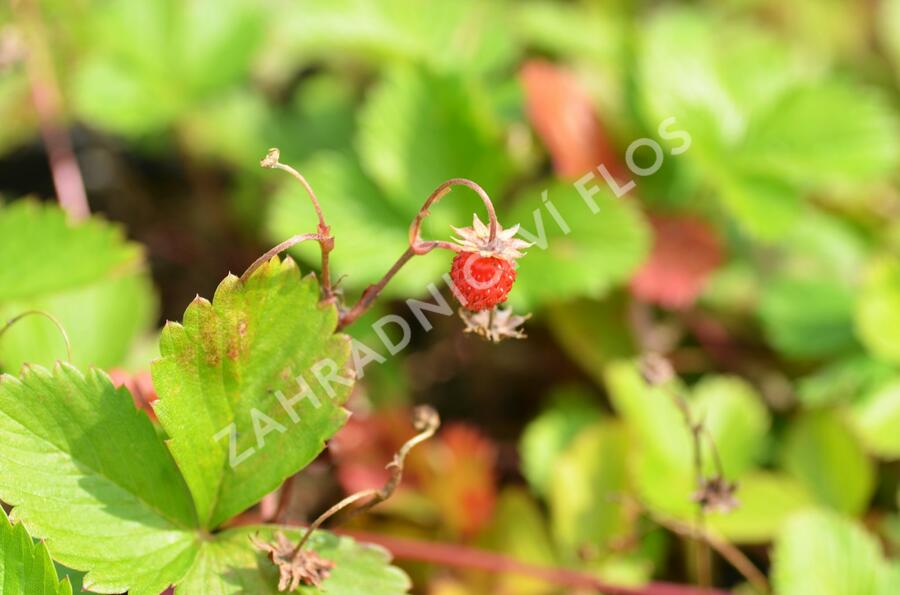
[
  {"x": 47, "y": 102},
  {"x": 460, "y": 556}
]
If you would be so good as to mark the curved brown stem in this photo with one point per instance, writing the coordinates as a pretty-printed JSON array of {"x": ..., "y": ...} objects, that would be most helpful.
[
  {"x": 53, "y": 319},
  {"x": 278, "y": 250},
  {"x": 418, "y": 246},
  {"x": 426, "y": 421},
  {"x": 326, "y": 241}
]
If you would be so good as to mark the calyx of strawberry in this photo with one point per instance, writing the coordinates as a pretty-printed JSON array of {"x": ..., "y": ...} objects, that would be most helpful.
[{"x": 477, "y": 238}]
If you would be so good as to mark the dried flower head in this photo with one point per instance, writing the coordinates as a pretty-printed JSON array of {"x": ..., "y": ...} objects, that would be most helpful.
[
  {"x": 295, "y": 567},
  {"x": 717, "y": 494},
  {"x": 494, "y": 325},
  {"x": 478, "y": 239}
]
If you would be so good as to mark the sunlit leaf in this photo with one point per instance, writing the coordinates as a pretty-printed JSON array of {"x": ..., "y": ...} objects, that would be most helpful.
[
  {"x": 547, "y": 436},
  {"x": 86, "y": 471},
  {"x": 250, "y": 387},
  {"x": 876, "y": 417},
  {"x": 878, "y": 310},
  {"x": 25, "y": 566},
  {"x": 149, "y": 63},
  {"x": 820, "y": 553},
  {"x": 86, "y": 275},
  {"x": 417, "y": 130},
  {"x": 822, "y": 452}
]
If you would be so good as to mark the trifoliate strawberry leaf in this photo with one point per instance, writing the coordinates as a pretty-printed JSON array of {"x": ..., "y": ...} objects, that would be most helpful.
[
  {"x": 250, "y": 387},
  {"x": 417, "y": 130},
  {"x": 149, "y": 63},
  {"x": 87, "y": 472},
  {"x": 819, "y": 553},
  {"x": 374, "y": 232},
  {"x": 25, "y": 566},
  {"x": 231, "y": 564},
  {"x": 85, "y": 274},
  {"x": 764, "y": 128},
  {"x": 587, "y": 256},
  {"x": 806, "y": 137}
]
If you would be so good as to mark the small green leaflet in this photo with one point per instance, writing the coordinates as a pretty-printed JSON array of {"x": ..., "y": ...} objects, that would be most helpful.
[
  {"x": 250, "y": 387},
  {"x": 25, "y": 566}
]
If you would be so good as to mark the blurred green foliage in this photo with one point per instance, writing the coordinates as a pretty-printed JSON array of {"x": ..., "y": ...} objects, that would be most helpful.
[{"x": 791, "y": 354}]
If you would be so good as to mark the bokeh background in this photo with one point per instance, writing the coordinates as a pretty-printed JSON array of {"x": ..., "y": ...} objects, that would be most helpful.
[{"x": 764, "y": 261}]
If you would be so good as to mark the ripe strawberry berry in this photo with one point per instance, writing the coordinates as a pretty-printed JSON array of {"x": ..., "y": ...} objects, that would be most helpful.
[
  {"x": 482, "y": 281},
  {"x": 484, "y": 270}
]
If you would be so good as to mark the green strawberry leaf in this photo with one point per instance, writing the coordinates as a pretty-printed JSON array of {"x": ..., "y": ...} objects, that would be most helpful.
[
  {"x": 805, "y": 137},
  {"x": 231, "y": 564},
  {"x": 86, "y": 471},
  {"x": 548, "y": 435},
  {"x": 465, "y": 35},
  {"x": 822, "y": 453},
  {"x": 594, "y": 253},
  {"x": 25, "y": 566},
  {"x": 808, "y": 317},
  {"x": 662, "y": 469},
  {"x": 584, "y": 485},
  {"x": 878, "y": 309},
  {"x": 819, "y": 553},
  {"x": 149, "y": 63},
  {"x": 417, "y": 130},
  {"x": 85, "y": 274},
  {"x": 250, "y": 387},
  {"x": 876, "y": 417},
  {"x": 765, "y": 127}
]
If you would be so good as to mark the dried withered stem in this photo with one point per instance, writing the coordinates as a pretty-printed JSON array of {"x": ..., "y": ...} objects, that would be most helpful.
[
  {"x": 278, "y": 250},
  {"x": 62, "y": 330},
  {"x": 714, "y": 493},
  {"x": 418, "y": 246},
  {"x": 323, "y": 235},
  {"x": 297, "y": 565},
  {"x": 426, "y": 421}
]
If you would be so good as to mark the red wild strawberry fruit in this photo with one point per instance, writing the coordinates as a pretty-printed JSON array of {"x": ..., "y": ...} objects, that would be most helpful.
[
  {"x": 482, "y": 282},
  {"x": 484, "y": 270}
]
